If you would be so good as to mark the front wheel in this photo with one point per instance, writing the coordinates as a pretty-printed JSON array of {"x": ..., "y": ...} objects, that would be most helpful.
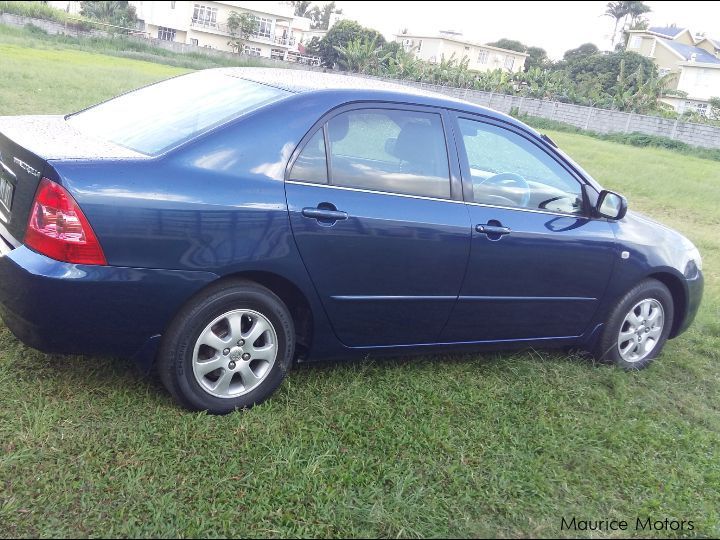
[
  {"x": 229, "y": 349},
  {"x": 638, "y": 327}
]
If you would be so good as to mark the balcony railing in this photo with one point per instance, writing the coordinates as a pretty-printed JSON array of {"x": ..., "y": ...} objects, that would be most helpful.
[
  {"x": 222, "y": 28},
  {"x": 209, "y": 25}
]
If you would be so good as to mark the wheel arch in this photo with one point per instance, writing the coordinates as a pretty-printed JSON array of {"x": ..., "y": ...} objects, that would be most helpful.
[
  {"x": 292, "y": 296},
  {"x": 679, "y": 295}
]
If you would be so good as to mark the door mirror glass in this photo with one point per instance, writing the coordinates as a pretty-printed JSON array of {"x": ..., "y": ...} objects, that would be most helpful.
[{"x": 611, "y": 205}]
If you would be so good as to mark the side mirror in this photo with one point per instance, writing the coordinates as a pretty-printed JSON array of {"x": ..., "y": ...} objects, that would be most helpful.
[
  {"x": 611, "y": 205},
  {"x": 390, "y": 146}
]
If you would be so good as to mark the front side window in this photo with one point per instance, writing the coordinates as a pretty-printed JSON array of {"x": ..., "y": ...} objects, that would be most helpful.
[
  {"x": 508, "y": 170},
  {"x": 389, "y": 150}
]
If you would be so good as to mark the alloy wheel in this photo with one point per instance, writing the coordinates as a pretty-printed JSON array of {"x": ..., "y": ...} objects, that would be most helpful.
[
  {"x": 641, "y": 330},
  {"x": 234, "y": 353}
]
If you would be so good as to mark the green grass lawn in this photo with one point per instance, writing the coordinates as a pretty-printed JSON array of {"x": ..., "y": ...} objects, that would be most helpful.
[{"x": 474, "y": 445}]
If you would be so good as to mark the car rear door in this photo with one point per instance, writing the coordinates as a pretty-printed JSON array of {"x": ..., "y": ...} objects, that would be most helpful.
[
  {"x": 538, "y": 263},
  {"x": 376, "y": 211}
]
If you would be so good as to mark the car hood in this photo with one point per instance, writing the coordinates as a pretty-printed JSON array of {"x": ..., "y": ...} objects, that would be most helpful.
[{"x": 51, "y": 137}]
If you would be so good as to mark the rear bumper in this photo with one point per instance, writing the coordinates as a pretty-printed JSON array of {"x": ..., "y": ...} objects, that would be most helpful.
[{"x": 66, "y": 308}]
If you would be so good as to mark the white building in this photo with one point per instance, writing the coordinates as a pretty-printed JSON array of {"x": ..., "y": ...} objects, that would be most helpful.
[
  {"x": 278, "y": 34},
  {"x": 694, "y": 61},
  {"x": 432, "y": 48}
]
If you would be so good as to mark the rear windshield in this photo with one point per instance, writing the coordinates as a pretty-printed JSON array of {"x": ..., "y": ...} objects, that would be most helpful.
[{"x": 158, "y": 117}]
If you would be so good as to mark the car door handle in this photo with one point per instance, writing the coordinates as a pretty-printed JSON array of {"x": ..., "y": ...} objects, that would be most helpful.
[
  {"x": 324, "y": 214},
  {"x": 492, "y": 230}
]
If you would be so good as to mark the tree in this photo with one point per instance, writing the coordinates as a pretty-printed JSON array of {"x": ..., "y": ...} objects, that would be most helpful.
[
  {"x": 340, "y": 35},
  {"x": 635, "y": 10},
  {"x": 321, "y": 16},
  {"x": 715, "y": 108},
  {"x": 301, "y": 9},
  {"x": 608, "y": 75},
  {"x": 509, "y": 44},
  {"x": 240, "y": 26},
  {"x": 537, "y": 58},
  {"x": 622, "y": 10},
  {"x": 586, "y": 49},
  {"x": 616, "y": 10},
  {"x": 116, "y": 12},
  {"x": 361, "y": 56}
]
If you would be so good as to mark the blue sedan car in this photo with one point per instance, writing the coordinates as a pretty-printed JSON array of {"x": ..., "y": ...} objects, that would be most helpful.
[{"x": 223, "y": 224}]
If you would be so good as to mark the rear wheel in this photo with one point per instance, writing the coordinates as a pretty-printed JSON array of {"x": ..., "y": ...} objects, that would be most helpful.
[
  {"x": 638, "y": 327},
  {"x": 229, "y": 349}
]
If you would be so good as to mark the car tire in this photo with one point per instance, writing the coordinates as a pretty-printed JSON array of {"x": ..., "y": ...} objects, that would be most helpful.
[
  {"x": 638, "y": 327},
  {"x": 206, "y": 359}
]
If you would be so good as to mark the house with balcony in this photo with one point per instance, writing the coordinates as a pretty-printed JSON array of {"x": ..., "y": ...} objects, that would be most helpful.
[
  {"x": 448, "y": 44},
  {"x": 278, "y": 32},
  {"x": 693, "y": 60}
]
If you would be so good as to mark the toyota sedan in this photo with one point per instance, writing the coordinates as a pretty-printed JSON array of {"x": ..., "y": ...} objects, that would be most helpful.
[{"x": 222, "y": 225}]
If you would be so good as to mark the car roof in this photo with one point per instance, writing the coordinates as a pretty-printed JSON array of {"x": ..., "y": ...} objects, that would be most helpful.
[{"x": 353, "y": 88}]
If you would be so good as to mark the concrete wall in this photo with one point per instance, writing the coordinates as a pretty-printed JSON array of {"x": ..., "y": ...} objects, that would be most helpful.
[{"x": 51, "y": 27}]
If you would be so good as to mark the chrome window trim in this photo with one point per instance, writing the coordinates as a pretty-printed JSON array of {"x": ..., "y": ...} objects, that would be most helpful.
[{"x": 360, "y": 190}]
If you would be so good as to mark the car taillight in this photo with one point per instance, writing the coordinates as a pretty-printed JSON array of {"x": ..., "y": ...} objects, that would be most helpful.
[{"x": 58, "y": 229}]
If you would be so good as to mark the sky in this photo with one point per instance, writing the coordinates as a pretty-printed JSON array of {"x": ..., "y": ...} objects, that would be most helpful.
[{"x": 554, "y": 26}]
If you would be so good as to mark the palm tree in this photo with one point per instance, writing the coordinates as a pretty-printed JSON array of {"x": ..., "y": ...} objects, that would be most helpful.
[
  {"x": 616, "y": 10},
  {"x": 635, "y": 10}
]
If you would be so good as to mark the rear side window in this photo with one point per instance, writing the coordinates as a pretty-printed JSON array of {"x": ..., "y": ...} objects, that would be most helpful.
[
  {"x": 389, "y": 150},
  {"x": 311, "y": 165},
  {"x": 158, "y": 117}
]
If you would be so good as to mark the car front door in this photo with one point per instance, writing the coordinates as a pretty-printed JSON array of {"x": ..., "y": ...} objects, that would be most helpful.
[
  {"x": 377, "y": 214},
  {"x": 538, "y": 263}
]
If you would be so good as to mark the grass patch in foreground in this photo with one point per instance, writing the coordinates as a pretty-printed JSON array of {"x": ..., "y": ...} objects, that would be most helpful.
[{"x": 472, "y": 445}]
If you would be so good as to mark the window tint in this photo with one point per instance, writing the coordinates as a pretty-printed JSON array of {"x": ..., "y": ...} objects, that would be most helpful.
[
  {"x": 311, "y": 165},
  {"x": 390, "y": 150},
  {"x": 508, "y": 170}
]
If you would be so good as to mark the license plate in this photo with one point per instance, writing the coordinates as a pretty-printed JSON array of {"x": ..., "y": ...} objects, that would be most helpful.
[{"x": 6, "y": 193}]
